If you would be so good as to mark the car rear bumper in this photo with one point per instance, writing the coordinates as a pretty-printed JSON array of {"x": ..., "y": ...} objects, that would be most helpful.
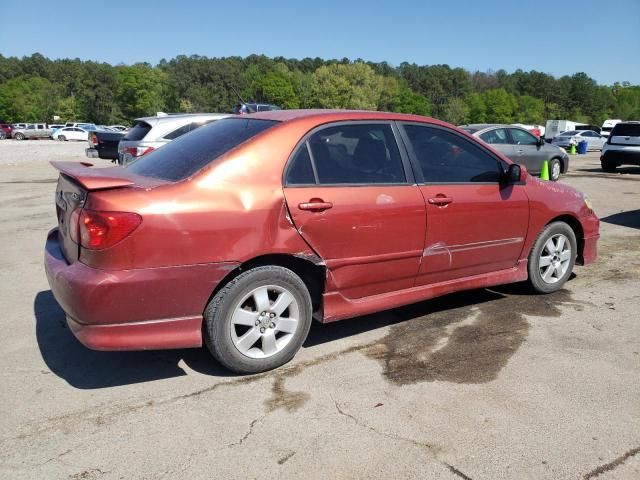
[
  {"x": 91, "y": 152},
  {"x": 622, "y": 157},
  {"x": 151, "y": 308}
]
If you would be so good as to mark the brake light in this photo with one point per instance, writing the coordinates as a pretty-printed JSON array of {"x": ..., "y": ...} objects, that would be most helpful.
[
  {"x": 94, "y": 139},
  {"x": 137, "y": 151},
  {"x": 98, "y": 230}
]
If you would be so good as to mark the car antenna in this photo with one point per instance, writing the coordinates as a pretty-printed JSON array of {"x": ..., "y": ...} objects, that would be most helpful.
[{"x": 237, "y": 95}]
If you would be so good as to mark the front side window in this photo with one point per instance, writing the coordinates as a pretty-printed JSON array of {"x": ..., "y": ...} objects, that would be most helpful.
[
  {"x": 445, "y": 157},
  {"x": 520, "y": 137},
  {"x": 495, "y": 137},
  {"x": 356, "y": 154}
]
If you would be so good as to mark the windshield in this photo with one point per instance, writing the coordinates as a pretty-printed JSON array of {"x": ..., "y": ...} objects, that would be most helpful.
[
  {"x": 570, "y": 133},
  {"x": 189, "y": 153}
]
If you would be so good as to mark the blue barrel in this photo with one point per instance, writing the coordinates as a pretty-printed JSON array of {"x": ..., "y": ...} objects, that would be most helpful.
[{"x": 582, "y": 147}]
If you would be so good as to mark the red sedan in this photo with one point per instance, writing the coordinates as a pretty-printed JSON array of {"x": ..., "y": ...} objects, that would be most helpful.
[{"x": 241, "y": 232}]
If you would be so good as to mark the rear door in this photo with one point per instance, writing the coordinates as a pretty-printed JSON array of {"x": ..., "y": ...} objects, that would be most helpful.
[
  {"x": 475, "y": 224},
  {"x": 351, "y": 195},
  {"x": 527, "y": 150},
  {"x": 499, "y": 139}
]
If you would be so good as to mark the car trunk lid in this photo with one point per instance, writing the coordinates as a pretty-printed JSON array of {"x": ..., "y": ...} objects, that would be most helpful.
[{"x": 76, "y": 182}]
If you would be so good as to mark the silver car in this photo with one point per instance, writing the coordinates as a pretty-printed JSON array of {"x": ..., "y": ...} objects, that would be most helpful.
[
  {"x": 522, "y": 147},
  {"x": 151, "y": 133},
  {"x": 594, "y": 140},
  {"x": 31, "y": 130}
]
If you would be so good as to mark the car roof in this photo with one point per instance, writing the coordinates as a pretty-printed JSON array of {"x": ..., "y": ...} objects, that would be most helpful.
[
  {"x": 327, "y": 115},
  {"x": 166, "y": 118}
]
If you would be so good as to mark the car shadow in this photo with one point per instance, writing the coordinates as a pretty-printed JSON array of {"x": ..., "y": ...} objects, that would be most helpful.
[
  {"x": 629, "y": 219},
  {"x": 88, "y": 369},
  {"x": 624, "y": 169}
]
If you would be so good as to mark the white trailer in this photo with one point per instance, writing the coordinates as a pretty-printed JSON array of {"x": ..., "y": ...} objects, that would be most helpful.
[
  {"x": 608, "y": 125},
  {"x": 556, "y": 127}
]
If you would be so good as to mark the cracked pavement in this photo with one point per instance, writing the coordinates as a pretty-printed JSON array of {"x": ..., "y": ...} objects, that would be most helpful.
[{"x": 487, "y": 384}]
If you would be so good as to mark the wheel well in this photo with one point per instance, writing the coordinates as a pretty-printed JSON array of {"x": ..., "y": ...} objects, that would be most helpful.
[
  {"x": 577, "y": 230},
  {"x": 312, "y": 273}
]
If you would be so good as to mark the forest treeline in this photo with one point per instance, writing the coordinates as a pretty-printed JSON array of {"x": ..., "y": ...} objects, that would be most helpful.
[{"x": 35, "y": 89}]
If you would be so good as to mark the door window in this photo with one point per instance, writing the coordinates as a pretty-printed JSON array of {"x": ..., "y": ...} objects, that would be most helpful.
[
  {"x": 349, "y": 154},
  {"x": 495, "y": 137},
  {"x": 445, "y": 157},
  {"x": 520, "y": 137}
]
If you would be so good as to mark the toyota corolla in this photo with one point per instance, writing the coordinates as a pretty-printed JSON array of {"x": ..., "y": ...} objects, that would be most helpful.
[{"x": 240, "y": 233}]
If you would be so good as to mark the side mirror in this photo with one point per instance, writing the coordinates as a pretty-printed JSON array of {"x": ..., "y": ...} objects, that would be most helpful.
[
  {"x": 514, "y": 174},
  {"x": 540, "y": 141}
]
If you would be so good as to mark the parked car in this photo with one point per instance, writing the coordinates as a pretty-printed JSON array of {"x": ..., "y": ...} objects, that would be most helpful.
[
  {"x": 522, "y": 147},
  {"x": 85, "y": 125},
  {"x": 104, "y": 144},
  {"x": 536, "y": 130},
  {"x": 252, "y": 107},
  {"x": 240, "y": 232},
  {"x": 19, "y": 125},
  {"x": 5, "y": 130},
  {"x": 55, "y": 126},
  {"x": 119, "y": 128},
  {"x": 556, "y": 127},
  {"x": 70, "y": 133},
  {"x": 32, "y": 131},
  {"x": 622, "y": 147},
  {"x": 151, "y": 133},
  {"x": 595, "y": 140}
]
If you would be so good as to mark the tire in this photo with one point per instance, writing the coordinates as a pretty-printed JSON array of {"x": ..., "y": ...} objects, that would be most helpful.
[
  {"x": 62, "y": 138},
  {"x": 552, "y": 276},
  {"x": 238, "y": 340},
  {"x": 555, "y": 168},
  {"x": 608, "y": 166},
  {"x": 19, "y": 136}
]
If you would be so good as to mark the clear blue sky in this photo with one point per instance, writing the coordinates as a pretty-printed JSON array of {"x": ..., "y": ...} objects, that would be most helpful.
[{"x": 596, "y": 37}]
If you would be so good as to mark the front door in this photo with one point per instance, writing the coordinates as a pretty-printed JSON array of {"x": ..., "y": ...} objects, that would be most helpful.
[
  {"x": 351, "y": 197},
  {"x": 475, "y": 224},
  {"x": 528, "y": 151}
]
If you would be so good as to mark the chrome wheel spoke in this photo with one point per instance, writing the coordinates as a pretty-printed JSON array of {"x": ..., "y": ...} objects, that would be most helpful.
[
  {"x": 548, "y": 274},
  {"x": 269, "y": 346},
  {"x": 550, "y": 246},
  {"x": 545, "y": 261},
  {"x": 244, "y": 317},
  {"x": 261, "y": 297},
  {"x": 247, "y": 340},
  {"x": 287, "y": 325},
  {"x": 565, "y": 256},
  {"x": 560, "y": 243},
  {"x": 282, "y": 303}
]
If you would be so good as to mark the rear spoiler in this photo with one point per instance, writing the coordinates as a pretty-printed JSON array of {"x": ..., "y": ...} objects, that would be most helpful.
[{"x": 104, "y": 178}]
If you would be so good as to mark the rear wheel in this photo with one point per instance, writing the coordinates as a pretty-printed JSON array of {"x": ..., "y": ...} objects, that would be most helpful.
[
  {"x": 552, "y": 257},
  {"x": 62, "y": 138},
  {"x": 554, "y": 169},
  {"x": 259, "y": 320},
  {"x": 19, "y": 136},
  {"x": 608, "y": 166}
]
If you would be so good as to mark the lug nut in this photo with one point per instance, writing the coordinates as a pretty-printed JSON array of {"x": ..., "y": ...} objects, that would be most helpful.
[
  {"x": 272, "y": 325},
  {"x": 272, "y": 315},
  {"x": 262, "y": 329},
  {"x": 257, "y": 322}
]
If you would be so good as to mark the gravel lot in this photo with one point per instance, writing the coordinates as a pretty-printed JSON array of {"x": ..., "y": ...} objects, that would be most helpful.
[{"x": 486, "y": 384}]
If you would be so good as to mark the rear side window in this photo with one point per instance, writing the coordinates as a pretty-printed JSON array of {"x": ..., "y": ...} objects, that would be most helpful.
[
  {"x": 495, "y": 137},
  {"x": 626, "y": 130},
  {"x": 182, "y": 130},
  {"x": 355, "y": 154},
  {"x": 445, "y": 157},
  {"x": 138, "y": 131},
  {"x": 186, "y": 155}
]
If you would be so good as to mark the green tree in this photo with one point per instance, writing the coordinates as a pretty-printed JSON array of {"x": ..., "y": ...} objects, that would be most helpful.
[
  {"x": 139, "y": 90},
  {"x": 530, "y": 110},
  {"x": 28, "y": 99},
  {"x": 457, "y": 111},
  {"x": 277, "y": 87},
  {"x": 354, "y": 86},
  {"x": 501, "y": 105},
  {"x": 477, "y": 108}
]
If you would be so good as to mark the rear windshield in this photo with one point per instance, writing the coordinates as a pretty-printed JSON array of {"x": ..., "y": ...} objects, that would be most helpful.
[
  {"x": 187, "y": 154},
  {"x": 138, "y": 131},
  {"x": 626, "y": 130}
]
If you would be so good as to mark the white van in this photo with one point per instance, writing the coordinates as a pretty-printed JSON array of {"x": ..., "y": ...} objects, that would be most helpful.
[{"x": 608, "y": 125}]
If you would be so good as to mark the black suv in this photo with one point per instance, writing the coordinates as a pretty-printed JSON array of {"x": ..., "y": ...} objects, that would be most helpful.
[{"x": 622, "y": 147}]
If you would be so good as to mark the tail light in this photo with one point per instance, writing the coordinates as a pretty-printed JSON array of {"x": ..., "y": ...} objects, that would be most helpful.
[
  {"x": 97, "y": 230},
  {"x": 94, "y": 139},
  {"x": 137, "y": 151}
]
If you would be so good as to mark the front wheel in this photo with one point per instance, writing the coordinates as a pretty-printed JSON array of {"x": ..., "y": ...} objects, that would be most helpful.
[
  {"x": 554, "y": 169},
  {"x": 552, "y": 257},
  {"x": 259, "y": 320},
  {"x": 19, "y": 136},
  {"x": 62, "y": 138}
]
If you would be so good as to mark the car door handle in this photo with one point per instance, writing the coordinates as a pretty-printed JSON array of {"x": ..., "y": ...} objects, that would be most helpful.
[
  {"x": 440, "y": 200},
  {"x": 315, "y": 205},
  {"x": 519, "y": 151}
]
